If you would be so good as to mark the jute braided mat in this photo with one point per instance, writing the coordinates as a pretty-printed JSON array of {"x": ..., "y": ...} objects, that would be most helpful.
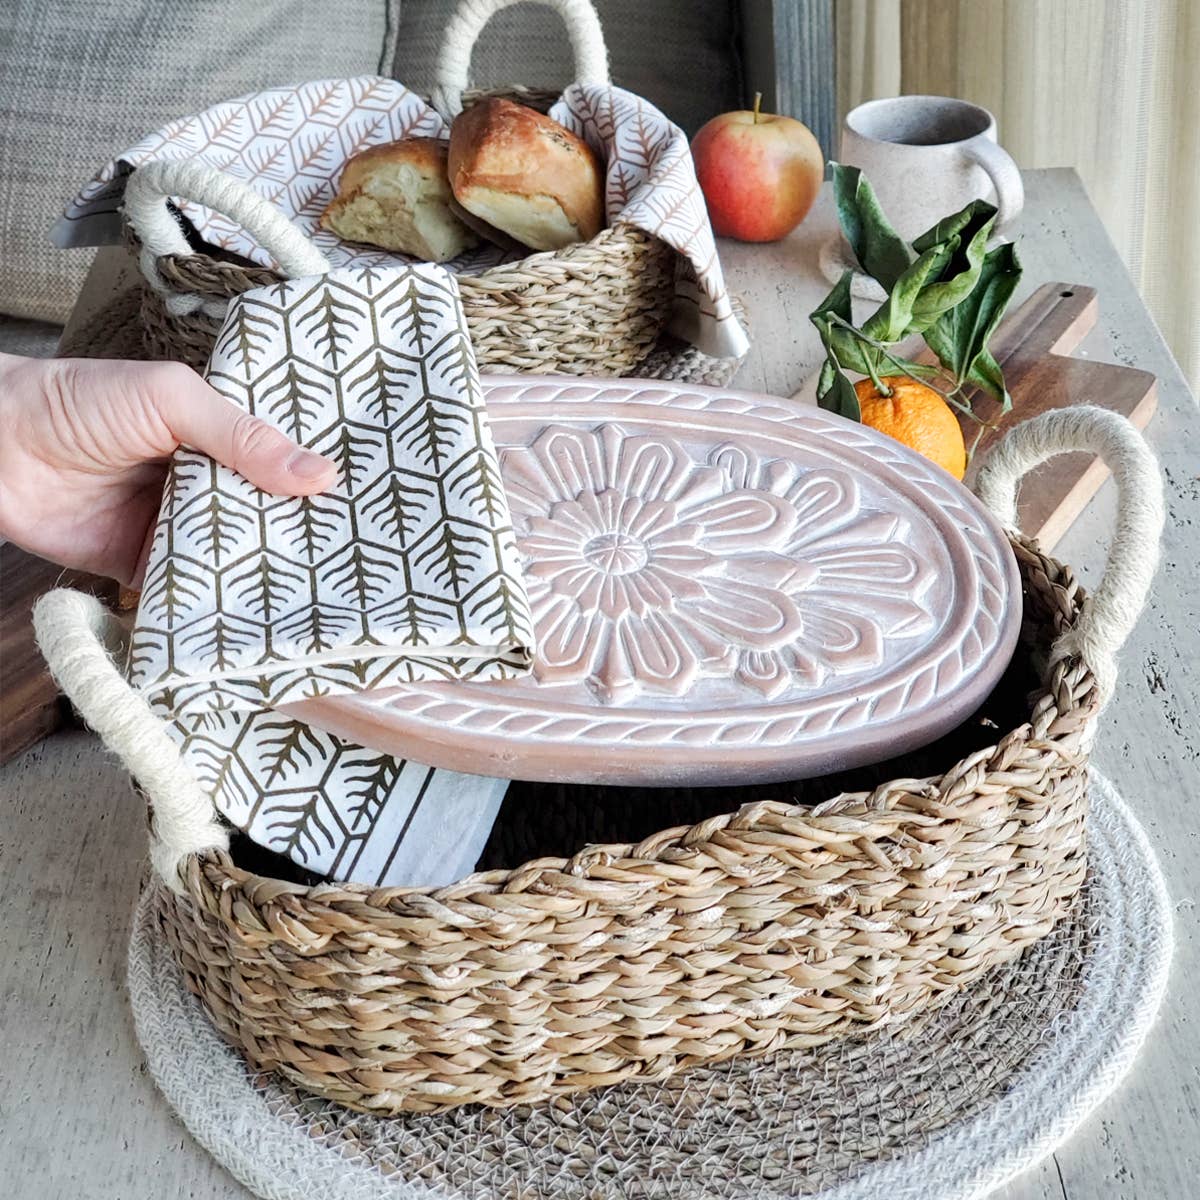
[{"x": 951, "y": 1107}]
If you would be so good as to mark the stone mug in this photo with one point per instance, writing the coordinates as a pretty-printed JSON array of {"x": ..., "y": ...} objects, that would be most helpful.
[{"x": 927, "y": 157}]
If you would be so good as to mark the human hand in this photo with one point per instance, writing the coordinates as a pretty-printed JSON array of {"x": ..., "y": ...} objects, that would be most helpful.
[{"x": 84, "y": 450}]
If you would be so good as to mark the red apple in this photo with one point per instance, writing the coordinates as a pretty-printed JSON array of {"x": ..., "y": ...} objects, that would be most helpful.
[{"x": 759, "y": 172}]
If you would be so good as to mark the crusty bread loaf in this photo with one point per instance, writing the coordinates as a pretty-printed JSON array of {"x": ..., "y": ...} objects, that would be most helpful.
[
  {"x": 526, "y": 175},
  {"x": 397, "y": 196}
]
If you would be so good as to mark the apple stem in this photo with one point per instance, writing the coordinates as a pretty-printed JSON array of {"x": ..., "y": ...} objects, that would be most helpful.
[{"x": 757, "y": 105}]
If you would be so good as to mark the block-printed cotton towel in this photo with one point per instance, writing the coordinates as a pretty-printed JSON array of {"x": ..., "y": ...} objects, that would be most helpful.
[
  {"x": 290, "y": 145},
  {"x": 407, "y": 569}
]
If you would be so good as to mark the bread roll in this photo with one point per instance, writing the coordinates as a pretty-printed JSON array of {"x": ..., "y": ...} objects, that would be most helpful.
[
  {"x": 397, "y": 196},
  {"x": 526, "y": 175}
]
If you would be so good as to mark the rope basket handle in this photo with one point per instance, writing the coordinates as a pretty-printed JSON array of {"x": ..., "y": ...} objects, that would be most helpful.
[
  {"x": 453, "y": 70},
  {"x": 146, "y": 195},
  {"x": 1111, "y": 611},
  {"x": 77, "y": 637}
]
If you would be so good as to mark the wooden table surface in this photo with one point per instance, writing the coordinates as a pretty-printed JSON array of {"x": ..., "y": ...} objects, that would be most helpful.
[{"x": 80, "y": 1117}]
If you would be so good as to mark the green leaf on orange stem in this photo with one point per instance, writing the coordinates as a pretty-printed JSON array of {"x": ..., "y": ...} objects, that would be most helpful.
[
  {"x": 834, "y": 322},
  {"x": 960, "y": 335},
  {"x": 880, "y": 250},
  {"x": 833, "y": 318},
  {"x": 967, "y": 231},
  {"x": 894, "y": 318},
  {"x": 970, "y": 218},
  {"x": 835, "y": 393}
]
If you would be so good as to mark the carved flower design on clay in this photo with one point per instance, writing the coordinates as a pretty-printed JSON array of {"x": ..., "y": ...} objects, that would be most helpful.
[{"x": 647, "y": 569}]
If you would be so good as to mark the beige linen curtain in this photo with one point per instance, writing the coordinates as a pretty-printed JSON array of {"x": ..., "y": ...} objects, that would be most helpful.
[{"x": 1108, "y": 87}]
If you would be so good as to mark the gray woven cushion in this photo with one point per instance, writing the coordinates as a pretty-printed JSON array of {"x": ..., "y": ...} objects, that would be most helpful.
[
  {"x": 680, "y": 54},
  {"x": 80, "y": 80}
]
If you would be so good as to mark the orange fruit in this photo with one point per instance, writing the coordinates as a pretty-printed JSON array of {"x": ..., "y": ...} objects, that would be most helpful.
[{"x": 917, "y": 416}]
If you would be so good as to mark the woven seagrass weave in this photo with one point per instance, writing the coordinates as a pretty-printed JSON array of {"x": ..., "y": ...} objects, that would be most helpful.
[
  {"x": 774, "y": 926},
  {"x": 593, "y": 308}
]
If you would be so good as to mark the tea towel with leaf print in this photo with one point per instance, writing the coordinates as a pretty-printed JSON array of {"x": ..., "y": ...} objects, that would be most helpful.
[{"x": 405, "y": 570}]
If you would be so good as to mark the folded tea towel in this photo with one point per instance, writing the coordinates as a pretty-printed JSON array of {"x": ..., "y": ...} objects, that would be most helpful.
[
  {"x": 336, "y": 808},
  {"x": 290, "y": 143},
  {"x": 406, "y": 569}
]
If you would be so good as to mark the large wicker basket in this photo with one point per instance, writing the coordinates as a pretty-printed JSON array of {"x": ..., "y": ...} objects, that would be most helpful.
[
  {"x": 773, "y": 926},
  {"x": 594, "y": 308}
]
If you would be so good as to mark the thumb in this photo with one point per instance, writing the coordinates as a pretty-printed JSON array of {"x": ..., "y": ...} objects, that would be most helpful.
[{"x": 201, "y": 417}]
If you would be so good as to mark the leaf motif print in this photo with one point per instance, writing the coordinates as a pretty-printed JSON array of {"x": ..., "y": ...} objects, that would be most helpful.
[
  {"x": 330, "y": 324},
  {"x": 501, "y": 607},
  {"x": 220, "y": 642},
  {"x": 255, "y": 600},
  {"x": 288, "y": 144},
  {"x": 220, "y": 124},
  {"x": 398, "y": 506},
  {"x": 431, "y": 430},
  {"x": 454, "y": 361},
  {"x": 367, "y": 134},
  {"x": 267, "y": 587},
  {"x": 272, "y": 111},
  {"x": 312, "y": 528},
  {"x": 295, "y": 399},
  {"x": 320, "y": 99},
  {"x": 288, "y": 747},
  {"x": 216, "y": 526},
  {"x": 450, "y": 557},
  {"x": 267, "y": 162},
  {"x": 369, "y": 788},
  {"x": 245, "y": 337},
  {"x": 315, "y": 630},
  {"x": 478, "y": 482},
  {"x": 303, "y": 829},
  {"x": 172, "y": 590},
  {"x": 381, "y": 383},
  {"x": 358, "y": 577},
  {"x": 415, "y": 310},
  {"x": 182, "y": 479},
  {"x": 417, "y": 622},
  {"x": 311, "y": 151},
  {"x": 355, "y": 449}
]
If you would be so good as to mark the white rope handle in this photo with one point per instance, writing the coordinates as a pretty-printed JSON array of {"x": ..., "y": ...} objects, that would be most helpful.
[
  {"x": 454, "y": 59},
  {"x": 146, "y": 194},
  {"x": 75, "y": 634},
  {"x": 1112, "y": 610}
]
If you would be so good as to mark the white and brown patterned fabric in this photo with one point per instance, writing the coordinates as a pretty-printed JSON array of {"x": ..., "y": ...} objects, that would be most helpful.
[
  {"x": 289, "y": 145},
  {"x": 406, "y": 569},
  {"x": 336, "y": 808}
]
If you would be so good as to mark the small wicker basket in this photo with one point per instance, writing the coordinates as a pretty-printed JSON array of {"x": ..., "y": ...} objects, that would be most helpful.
[
  {"x": 773, "y": 926},
  {"x": 594, "y": 308}
]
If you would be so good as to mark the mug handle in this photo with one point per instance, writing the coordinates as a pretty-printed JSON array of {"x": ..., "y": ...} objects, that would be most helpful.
[{"x": 1005, "y": 176}]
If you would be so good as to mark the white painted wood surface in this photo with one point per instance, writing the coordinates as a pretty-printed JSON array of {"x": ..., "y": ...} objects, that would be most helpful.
[{"x": 80, "y": 1119}]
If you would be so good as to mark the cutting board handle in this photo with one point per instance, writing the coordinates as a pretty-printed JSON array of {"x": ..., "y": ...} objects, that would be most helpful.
[{"x": 1113, "y": 609}]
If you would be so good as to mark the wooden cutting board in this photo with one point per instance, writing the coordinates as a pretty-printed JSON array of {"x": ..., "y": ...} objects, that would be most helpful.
[
  {"x": 30, "y": 706},
  {"x": 1033, "y": 345}
]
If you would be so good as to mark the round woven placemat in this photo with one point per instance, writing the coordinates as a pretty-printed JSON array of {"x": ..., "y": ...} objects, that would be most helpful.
[
  {"x": 115, "y": 332},
  {"x": 950, "y": 1106}
]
